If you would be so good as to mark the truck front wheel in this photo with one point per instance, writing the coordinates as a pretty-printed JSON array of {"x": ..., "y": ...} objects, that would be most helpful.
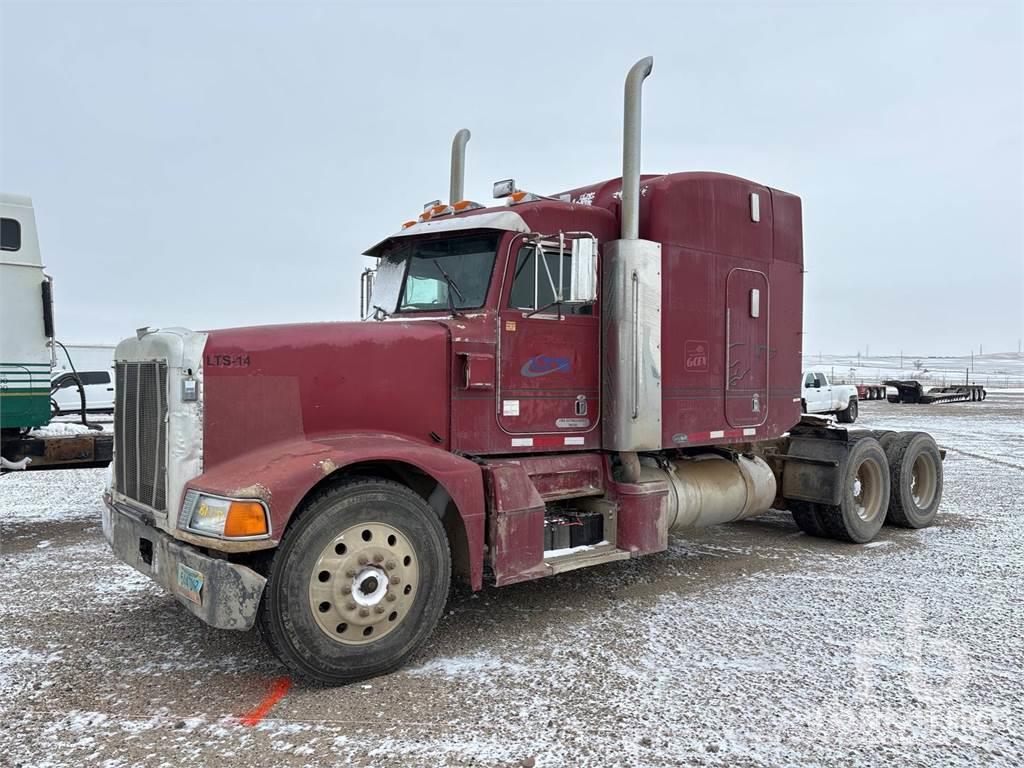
[{"x": 358, "y": 584}]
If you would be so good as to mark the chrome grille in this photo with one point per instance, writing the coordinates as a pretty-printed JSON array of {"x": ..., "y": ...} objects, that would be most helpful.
[{"x": 140, "y": 432}]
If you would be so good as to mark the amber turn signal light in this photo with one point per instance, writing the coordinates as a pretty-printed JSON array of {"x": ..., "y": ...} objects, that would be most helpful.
[{"x": 245, "y": 518}]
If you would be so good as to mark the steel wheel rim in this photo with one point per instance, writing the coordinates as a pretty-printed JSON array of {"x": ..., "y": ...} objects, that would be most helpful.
[
  {"x": 867, "y": 490},
  {"x": 923, "y": 481},
  {"x": 364, "y": 583}
]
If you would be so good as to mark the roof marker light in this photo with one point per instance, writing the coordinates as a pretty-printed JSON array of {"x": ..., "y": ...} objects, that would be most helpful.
[
  {"x": 465, "y": 205},
  {"x": 521, "y": 197},
  {"x": 504, "y": 188}
]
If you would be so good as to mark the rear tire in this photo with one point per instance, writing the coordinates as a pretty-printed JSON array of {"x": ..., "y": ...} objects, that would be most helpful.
[
  {"x": 865, "y": 486},
  {"x": 849, "y": 414},
  {"x": 358, "y": 584},
  {"x": 805, "y": 515},
  {"x": 915, "y": 469}
]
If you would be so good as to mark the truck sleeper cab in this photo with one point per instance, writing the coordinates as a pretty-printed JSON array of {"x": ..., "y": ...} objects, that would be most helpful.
[{"x": 544, "y": 391}]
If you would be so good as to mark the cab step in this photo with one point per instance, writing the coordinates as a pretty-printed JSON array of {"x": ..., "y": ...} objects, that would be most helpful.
[{"x": 562, "y": 560}]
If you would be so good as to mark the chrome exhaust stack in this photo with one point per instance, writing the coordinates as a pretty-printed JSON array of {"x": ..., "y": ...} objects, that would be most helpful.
[
  {"x": 631, "y": 411},
  {"x": 457, "y": 184},
  {"x": 631, "y": 144}
]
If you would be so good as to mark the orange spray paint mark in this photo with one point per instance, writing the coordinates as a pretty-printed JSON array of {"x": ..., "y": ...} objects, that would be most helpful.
[{"x": 277, "y": 692}]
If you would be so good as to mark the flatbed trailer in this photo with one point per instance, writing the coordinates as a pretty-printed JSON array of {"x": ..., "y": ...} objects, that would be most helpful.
[{"x": 911, "y": 391}]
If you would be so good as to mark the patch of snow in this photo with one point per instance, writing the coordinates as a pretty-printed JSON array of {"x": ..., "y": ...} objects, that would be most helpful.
[
  {"x": 458, "y": 666},
  {"x": 60, "y": 429},
  {"x": 551, "y": 553}
]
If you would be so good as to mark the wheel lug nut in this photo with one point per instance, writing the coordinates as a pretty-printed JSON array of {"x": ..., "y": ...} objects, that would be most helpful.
[
  {"x": 379, "y": 609},
  {"x": 351, "y": 606},
  {"x": 351, "y": 573},
  {"x": 395, "y": 580},
  {"x": 346, "y": 590},
  {"x": 391, "y": 597},
  {"x": 363, "y": 560},
  {"x": 390, "y": 565},
  {"x": 364, "y": 612},
  {"x": 378, "y": 558}
]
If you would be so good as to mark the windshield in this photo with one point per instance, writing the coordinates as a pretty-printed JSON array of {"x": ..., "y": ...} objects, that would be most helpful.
[{"x": 440, "y": 273}]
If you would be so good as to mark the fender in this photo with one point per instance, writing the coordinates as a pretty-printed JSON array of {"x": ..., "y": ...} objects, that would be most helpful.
[{"x": 283, "y": 473}]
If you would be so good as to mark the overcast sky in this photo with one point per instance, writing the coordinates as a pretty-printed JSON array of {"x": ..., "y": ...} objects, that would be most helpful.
[{"x": 219, "y": 164}]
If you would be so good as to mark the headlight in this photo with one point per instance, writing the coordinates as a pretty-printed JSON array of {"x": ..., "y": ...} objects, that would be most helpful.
[{"x": 223, "y": 518}]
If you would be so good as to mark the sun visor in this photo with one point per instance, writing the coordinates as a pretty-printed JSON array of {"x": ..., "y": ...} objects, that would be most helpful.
[{"x": 504, "y": 220}]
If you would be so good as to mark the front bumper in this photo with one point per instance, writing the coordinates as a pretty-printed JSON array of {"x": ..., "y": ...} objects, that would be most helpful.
[{"x": 230, "y": 593}]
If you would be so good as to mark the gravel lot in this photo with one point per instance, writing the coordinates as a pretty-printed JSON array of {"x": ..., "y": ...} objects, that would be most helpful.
[{"x": 749, "y": 644}]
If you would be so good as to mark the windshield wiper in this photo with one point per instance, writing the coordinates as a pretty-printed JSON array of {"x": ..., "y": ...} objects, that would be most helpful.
[{"x": 451, "y": 287}]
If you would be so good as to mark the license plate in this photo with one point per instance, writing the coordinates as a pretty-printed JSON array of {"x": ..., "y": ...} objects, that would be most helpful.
[{"x": 190, "y": 584}]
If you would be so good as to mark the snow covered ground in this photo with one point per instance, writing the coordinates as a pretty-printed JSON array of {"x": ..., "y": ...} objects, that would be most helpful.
[{"x": 743, "y": 645}]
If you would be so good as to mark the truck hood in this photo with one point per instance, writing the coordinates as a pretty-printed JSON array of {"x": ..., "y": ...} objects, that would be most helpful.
[{"x": 270, "y": 384}]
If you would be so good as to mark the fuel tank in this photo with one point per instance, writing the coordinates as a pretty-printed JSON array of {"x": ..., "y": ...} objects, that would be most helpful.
[{"x": 710, "y": 489}]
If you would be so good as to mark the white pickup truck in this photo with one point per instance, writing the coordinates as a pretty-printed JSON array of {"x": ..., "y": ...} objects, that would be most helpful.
[{"x": 820, "y": 395}]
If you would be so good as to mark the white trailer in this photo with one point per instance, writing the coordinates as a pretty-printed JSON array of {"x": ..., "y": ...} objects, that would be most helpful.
[
  {"x": 27, "y": 359},
  {"x": 26, "y": 319}
]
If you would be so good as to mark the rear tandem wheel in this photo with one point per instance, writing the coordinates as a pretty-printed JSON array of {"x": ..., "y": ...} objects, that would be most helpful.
[
  {"x": 915, "y": 468},
  {"x": 865, "y": 498}
]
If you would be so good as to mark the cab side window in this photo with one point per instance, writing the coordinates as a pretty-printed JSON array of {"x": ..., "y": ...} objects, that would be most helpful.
[{"x": 532, "y": 283}]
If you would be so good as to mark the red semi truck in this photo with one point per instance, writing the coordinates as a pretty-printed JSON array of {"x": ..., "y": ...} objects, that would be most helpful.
[{"x": 552, "y": 383}]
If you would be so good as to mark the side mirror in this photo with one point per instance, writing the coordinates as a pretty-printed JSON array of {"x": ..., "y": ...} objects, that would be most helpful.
[
  {"x": 583, "y": 271},
  {"x": 817, "y": 383},
  {"x": 366, "y": 291}
]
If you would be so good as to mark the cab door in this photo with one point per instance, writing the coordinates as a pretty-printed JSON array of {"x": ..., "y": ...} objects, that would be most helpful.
[{"x": 548, "y": 381}]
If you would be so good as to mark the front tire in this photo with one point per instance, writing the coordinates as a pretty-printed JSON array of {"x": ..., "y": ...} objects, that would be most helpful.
[{"x": 358, "y": 584}]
